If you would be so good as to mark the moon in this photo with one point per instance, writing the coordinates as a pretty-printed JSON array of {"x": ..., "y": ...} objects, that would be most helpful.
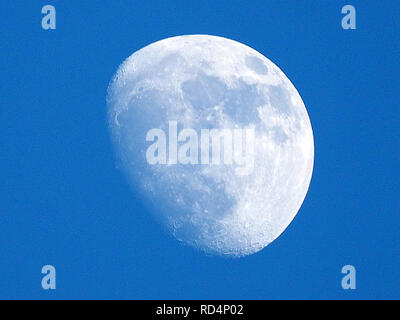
[{"x": 209, "y": 82}]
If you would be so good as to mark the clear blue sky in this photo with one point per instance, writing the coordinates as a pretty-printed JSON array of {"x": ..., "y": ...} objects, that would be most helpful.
[{"x": 64, "y": 203}]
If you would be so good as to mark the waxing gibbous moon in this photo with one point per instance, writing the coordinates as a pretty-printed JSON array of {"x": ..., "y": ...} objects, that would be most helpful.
[{"x": 209, "y": 82}]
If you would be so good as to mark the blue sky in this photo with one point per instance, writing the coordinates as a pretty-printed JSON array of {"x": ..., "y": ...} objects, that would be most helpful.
[{"x": 64, "y": 203}]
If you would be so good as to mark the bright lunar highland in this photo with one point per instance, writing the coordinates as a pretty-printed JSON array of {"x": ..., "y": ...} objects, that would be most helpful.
[{"x": 200, "y": 82}]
